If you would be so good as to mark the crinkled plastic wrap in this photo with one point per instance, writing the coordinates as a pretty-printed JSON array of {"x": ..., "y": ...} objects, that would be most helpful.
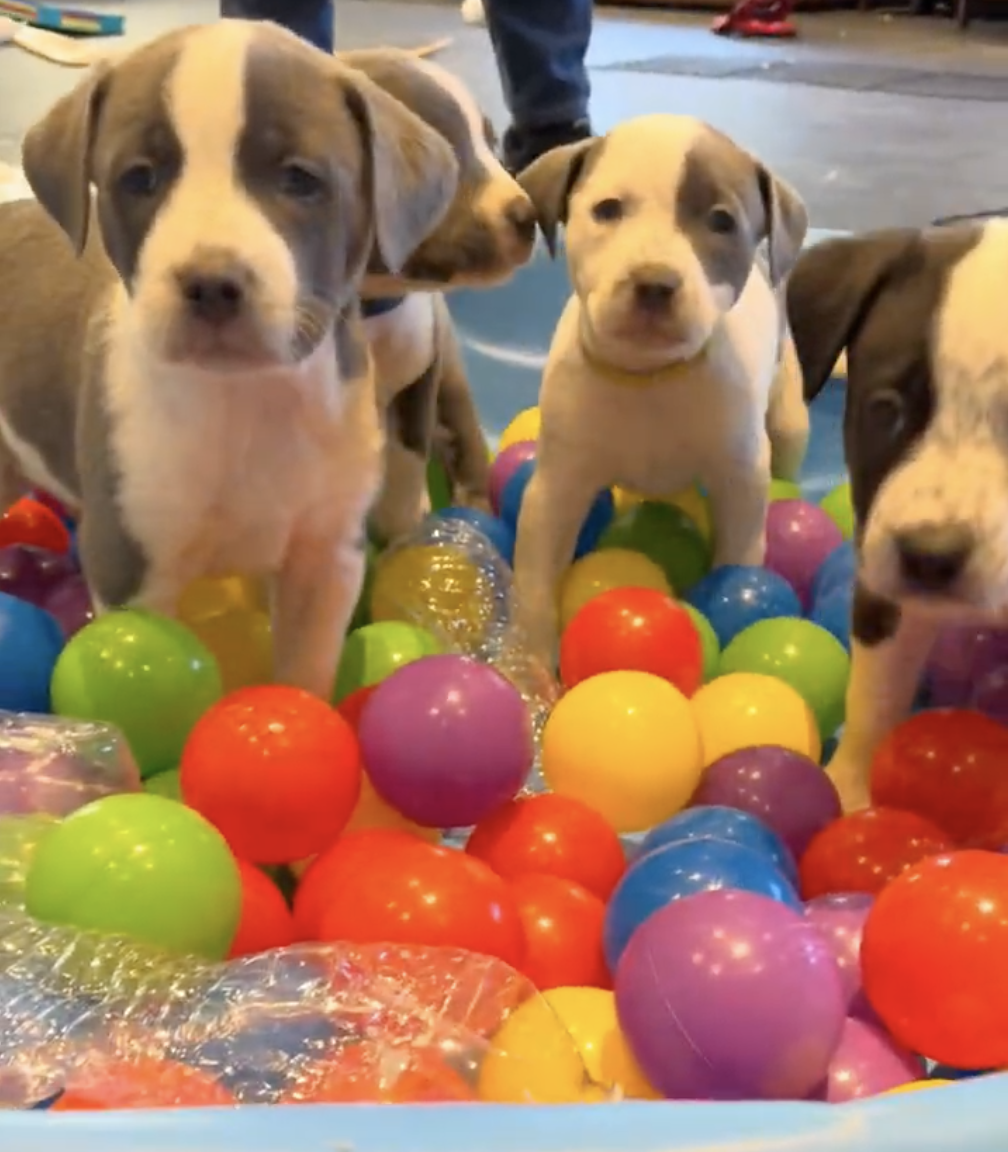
[
  {"x": 55, "y": 766},
  {"x": 112, "y": 1021}
]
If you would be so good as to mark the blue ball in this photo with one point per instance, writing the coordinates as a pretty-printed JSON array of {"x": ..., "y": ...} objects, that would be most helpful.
[
  {"x": 30, "y": 644},
  {"x": 832, "y": 611},
  {"x": 734, "y": 597},
  {"x": 836, "y": 571},
  {"x": 500, "y": 535},
  {"x": 720, "y": 823},
  {"x": 596, "y": 522},
  {"x": 684, "y": 868}
]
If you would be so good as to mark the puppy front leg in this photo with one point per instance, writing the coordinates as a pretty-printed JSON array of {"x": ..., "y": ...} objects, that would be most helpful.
[
  {"x": 787, "y": 417},
  {"x": 889, "y": 648},
  {"x": 314, "y": 597},
  {"x": 739, "y": 494}
]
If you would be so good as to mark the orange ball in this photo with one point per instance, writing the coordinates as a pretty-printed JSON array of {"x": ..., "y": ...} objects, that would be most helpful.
[
  {"x": 140, "y": 1082},
  {"x": 563, "y": 933},
  {"x": 276, "y": 770},
  {"x": 358, "y": 1076},
  {"x": 31, "y": 523},
  {"x": 266, "y": 921}
]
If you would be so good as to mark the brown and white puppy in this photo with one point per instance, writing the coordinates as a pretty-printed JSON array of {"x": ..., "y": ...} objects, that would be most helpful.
[
  {"x": 488, "y": 232},
  {"x": 181, "y": 355}
]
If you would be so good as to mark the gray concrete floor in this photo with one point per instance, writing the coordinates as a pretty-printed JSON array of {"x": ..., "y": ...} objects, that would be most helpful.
[{"x": 860, "y": 158}]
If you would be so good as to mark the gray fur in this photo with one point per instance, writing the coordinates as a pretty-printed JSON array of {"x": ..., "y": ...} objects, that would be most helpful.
[{"x": 551, "y": 180}]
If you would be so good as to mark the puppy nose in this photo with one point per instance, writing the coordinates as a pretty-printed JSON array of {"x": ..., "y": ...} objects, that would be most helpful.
[
  {"x": 520, "y": 214},
  {"x": 215, "y": 297},
  {"x": 655, "y": 287},
  {"x": 933, "y": 556}
]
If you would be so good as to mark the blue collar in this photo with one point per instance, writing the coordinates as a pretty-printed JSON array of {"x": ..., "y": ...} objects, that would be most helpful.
[{"x": 379, "y": 307}]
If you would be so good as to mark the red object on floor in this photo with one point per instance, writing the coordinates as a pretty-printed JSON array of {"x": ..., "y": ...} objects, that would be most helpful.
[
  {"x": 33, "y": 525},
  {"x": 757, "y": 19}
]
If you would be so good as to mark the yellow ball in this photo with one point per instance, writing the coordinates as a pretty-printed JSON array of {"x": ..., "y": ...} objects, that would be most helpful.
[
  {"x": 589, "y": 1015},
  {"x": 373, "y": 812},
  {"x": 747, "y": 710},
  {"x": 242, "y": 642},
  {"x": 625, "y": 744},
  {"x": 916, "y": 1086},
  {"x": 525, "y": 426},
  {"x": 533, "y": 1059},
  {"x": 602, "y": 571},
  {"x": 213, "y": 596}
]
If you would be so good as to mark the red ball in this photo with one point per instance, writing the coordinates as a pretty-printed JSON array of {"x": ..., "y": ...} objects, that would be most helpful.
[
  {"x": 104, "y": 1083},
  {"x": 335, "y": 869},
  {"x": 351, "y": 707},
  {"x": 632, "y": 630},
  {"x": 359, "y": 1075},
  {"x": 864, "y": 851},
  {"x": 555, "y": 835},
  {"x": 266, "y": 921},
  {"x": 934, "y": 955},
  {"x": 563, "y": 933},
  {"x": 951, "y": 766},
  {"x": 417, "y": 893},
  {"x": 33, "y": 525},
  {"x": 276, "y": 770}
]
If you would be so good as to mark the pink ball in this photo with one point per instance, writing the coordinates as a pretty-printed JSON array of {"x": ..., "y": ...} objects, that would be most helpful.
[
  {"x": 867, "y": 1062},
  {"x": 505, "y": 466},
  {"x": 800, "y": 536}
]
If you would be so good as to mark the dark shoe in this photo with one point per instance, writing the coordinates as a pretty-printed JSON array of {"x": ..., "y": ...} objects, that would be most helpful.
[{"x": 522, "y": 146}]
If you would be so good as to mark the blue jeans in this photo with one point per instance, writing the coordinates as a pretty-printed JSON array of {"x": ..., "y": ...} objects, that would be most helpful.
[{"x": 540, "y": 47}]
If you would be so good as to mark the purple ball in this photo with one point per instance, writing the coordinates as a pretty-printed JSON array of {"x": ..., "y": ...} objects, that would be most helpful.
[
  {"x": 867, "y": 1062},
  {"x": 70, "y": 603},
  {"x": 446, "y": 740},
  {"x": 505, "y": 466},
  {"x": 727, "y": 995},
  {"x": 840, "y": 918},
  {"x": 800, "y": 536},
  {"x": 32, "y": 573},
  {"x": 787, "y": 791},
  {"x": 968, "y": 668}
]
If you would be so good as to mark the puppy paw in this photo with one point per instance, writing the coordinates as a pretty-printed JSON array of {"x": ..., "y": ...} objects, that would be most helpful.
[{"x": 850, "y": 779}]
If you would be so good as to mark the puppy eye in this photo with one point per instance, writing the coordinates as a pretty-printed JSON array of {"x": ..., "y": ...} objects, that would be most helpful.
[
  {"x": 721, "y": 221},
  {"x": 301, "y": 183},
  {"x": 887, "y": 412},
  {"x": 141, "y": 179},
  {"x": 607, "y": 211}
]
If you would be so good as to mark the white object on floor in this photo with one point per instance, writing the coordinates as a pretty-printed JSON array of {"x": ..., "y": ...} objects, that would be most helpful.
[
  {"x": 13, "y": 185},
  {"x": 472, "y": 12}
]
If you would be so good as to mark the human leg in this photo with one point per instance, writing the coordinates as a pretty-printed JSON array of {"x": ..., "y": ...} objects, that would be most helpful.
[{"x": 310, "y": 19}]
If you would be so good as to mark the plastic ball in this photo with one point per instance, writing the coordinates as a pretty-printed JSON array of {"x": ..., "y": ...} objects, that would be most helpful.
[
  {"x": 214, "y": 595},
  {"x": 916, "y": 1085},
  {"x": 948, "y": 767},
  {"x": 143, "y": 867},
  {"x": 276, "y": 770},
  {"x": 33, "y": 573},
  {"x": 31, "y": 642},
  {"x": 417, "y": 893},
  {"x": 605, "y": 571},
  {"x": 787, "y": 790},
  {"x": 838, "y": 507},
  {"x": 680, "y": 869},
  {"x": 665, "y": 534},
  {"x": 30, "y": 523},
  {"x": 838, "y": 570},
  {"x": 840, "y": 919},
  {"x": 166, "y": 784},
  {"x": 562, "y": 927},
  {"x": 500, "y": 535},
  {"x": 589, "y": 1015},
  {"x": 709, "y": 645},
  {"x": 730, "y": 996},
  {"x": 720, "y": 823},
  {"x": 266, "y": 921},
  {"x": 147, "y": 675},
  {"x": 963, "y": 661},
  {"x": 446, "y": 740},
  {"x": 833, "y": 613},
  {"x": 798, "y": 653},
  {"x": 69, "y": 602},
  {"x": 864, "y": 851},
  {"x": 933, "y": 957},
  {"x": 19, "y": 837},
  {"x": 867, "y": 1063},
  {"x": 800, "y": 536},
  {"x": 784, "y": 490},
  {"x": 362, "y": 609},
  {"x": 525, "y": 426},
  {"x": 108, "y": 1084},
  {"x": 633, "y": 630},
  {"x": 504, "y": 466},
  {"x": 374, "y": 652},
  {"x": 744, "y": 710},
  {"x": 694, "y": 503},
  {"x": 734, "y": 597},
  {"x": 595, "y": 523},
  {"x": 626, "y": 744},
  {"x": 357, "y": 1074},
  {"x": 551, "y": 835}
]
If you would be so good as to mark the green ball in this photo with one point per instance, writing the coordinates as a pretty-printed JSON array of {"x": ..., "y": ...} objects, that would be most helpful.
[
  {"x": 375, "y": 651},
  {"x": 438, "y": 485},
  {"x": 801, "y": 654},
  {"x": 166, "y": 784},
  {"x": 143, "y": 867},
  {"x": 665, "y": 534},
  {"x": 147, "y": 675},
  {"x": 838, "y": 507},
  {"x": 20, "y": 836},
  {"x": 784, "y": 490},
  {"x": 709, "y": 643}
]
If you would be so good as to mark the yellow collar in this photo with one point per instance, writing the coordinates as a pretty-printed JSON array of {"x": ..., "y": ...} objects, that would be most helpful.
[{"x": 649, "y": 378}]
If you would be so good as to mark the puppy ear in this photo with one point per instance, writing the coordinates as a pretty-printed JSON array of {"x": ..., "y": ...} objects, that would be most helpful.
[
  {"x": 413, "y": 170},
  {"x": 549, "y": 182},
  {"x": 786, "y": 222},
  {"x": 56, "y": 154},
  {"x": 830, "y": 292}
]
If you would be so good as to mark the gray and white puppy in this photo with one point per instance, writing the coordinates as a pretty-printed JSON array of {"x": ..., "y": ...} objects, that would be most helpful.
[
  {"x": 921, "y": 316},
  {"x": 488, "y": 232},
  {"x": 181, "y": 353},
  {"x": 671, "y": 363}
]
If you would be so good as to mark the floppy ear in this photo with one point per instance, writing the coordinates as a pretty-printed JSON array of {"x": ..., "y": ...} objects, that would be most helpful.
[
  {"x": 831, "y": 291},
  {"x": 56, "y": 154},
  {"x": 549, "y": 182},
  {"x": 785, "y": 222},
  {"x": 413, "y": 170}
]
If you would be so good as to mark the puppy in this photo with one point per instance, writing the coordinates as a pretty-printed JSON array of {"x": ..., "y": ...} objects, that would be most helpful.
[
  {"x": 488, "y": 232},
  {"x": 920, "y": 314},
  {"x": 181, "y": 356},
  {"x": 671, "y": 362}
]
